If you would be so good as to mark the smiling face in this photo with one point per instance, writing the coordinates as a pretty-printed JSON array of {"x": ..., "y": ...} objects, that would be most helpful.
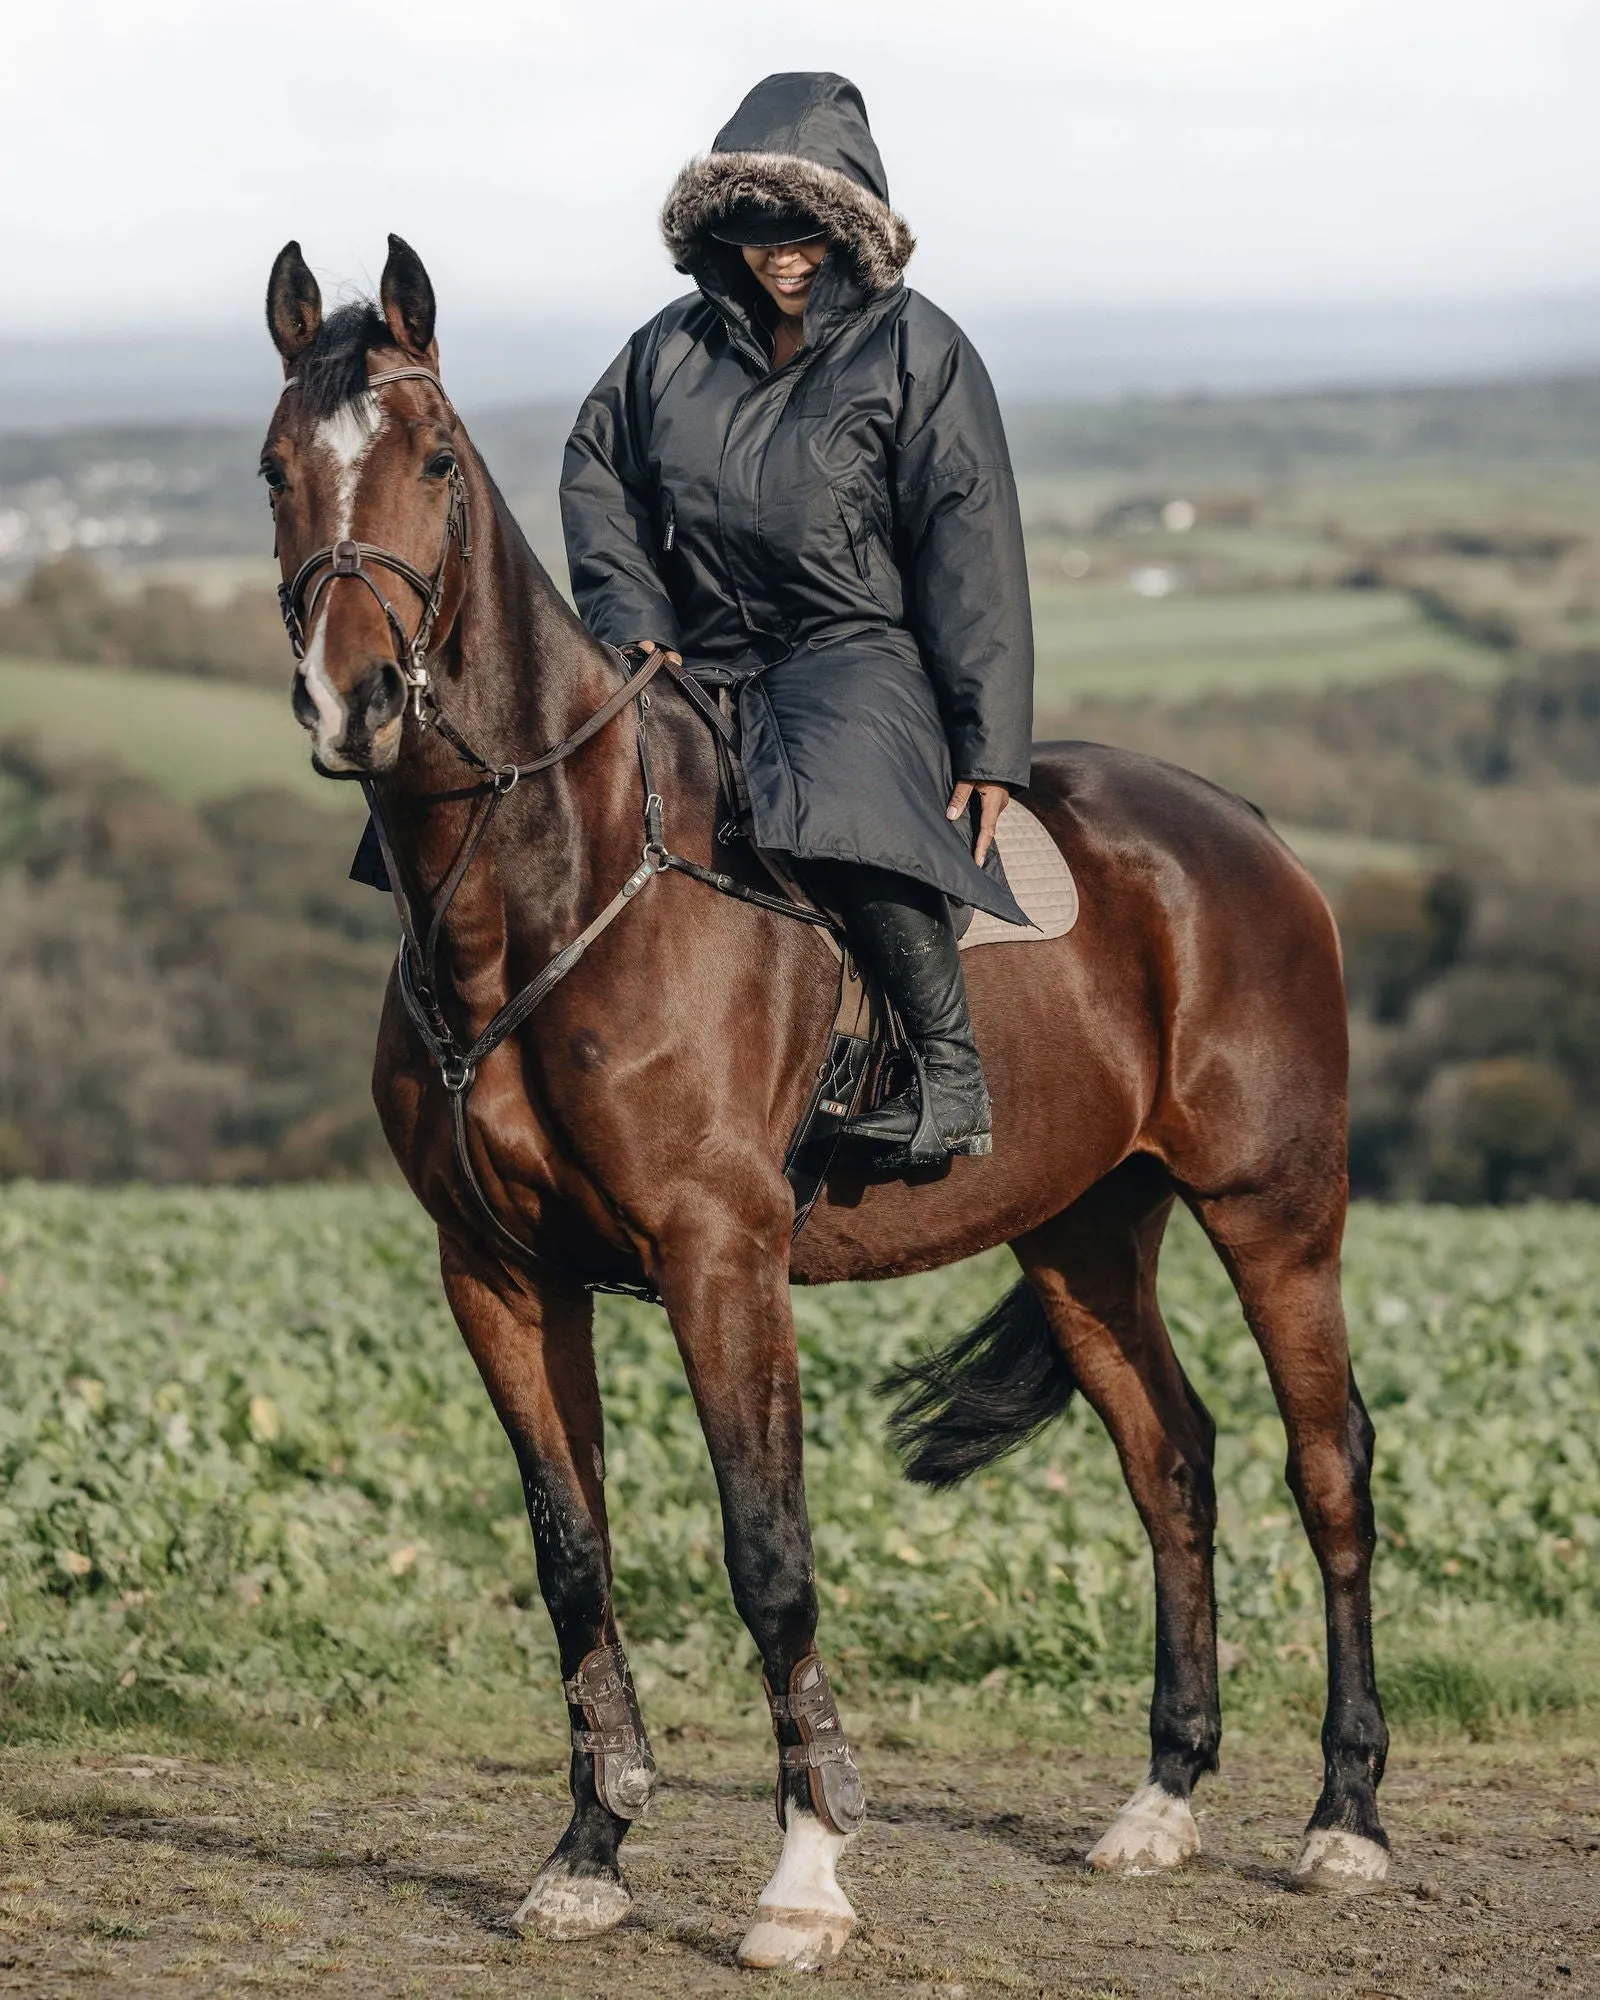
[{"x": 787, "y": 271}]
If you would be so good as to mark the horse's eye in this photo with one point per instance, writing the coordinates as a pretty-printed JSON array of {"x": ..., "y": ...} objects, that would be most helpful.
[
  {"x": 273, "y": 475},
  {"x": 440, "y": 466}
]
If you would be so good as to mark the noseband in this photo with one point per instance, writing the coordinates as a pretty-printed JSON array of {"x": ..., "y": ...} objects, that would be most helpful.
[{"x": 298, "y": 599}]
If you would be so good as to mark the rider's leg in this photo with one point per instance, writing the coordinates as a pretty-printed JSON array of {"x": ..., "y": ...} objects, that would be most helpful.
[{"x": 903, "y": 932}]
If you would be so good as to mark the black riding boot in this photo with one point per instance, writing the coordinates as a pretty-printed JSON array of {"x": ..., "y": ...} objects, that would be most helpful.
[{"x": 904, "y": 935}]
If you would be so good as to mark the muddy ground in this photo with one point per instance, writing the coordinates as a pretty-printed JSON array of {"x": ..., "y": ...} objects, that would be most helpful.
[{"x": 377, "y": 1871}]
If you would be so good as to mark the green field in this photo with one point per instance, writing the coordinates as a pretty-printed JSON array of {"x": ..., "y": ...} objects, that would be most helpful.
[
  {"x": 1106, "y": 639},
  {"x": 246, "y": 1470},
  {"x": 196, "y": 739},
  {"x": 200, "y": 740}
]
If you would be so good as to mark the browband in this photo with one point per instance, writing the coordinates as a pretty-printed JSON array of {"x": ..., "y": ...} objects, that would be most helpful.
[{"x": 392, "y": 375}]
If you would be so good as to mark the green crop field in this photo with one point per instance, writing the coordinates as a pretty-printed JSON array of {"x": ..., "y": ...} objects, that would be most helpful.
[
  {"x": 246, "y": 1470},
  {"x": 196, "y": 739},
  {"x": 1106, "y": 639}
]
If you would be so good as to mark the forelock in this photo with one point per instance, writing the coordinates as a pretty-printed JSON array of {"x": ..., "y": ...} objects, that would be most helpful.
[{"x": 332, "y": 372}]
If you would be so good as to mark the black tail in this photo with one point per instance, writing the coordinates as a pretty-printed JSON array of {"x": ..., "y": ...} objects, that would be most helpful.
[{"x": 982, "y": 1396}]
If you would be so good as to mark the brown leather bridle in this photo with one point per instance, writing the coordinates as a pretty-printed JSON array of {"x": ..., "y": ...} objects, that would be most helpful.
[{"x": 298, "y": 599}]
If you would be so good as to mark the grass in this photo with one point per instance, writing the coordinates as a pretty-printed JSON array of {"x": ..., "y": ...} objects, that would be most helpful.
[
  {"x": 249, "y": 1473},
  {"x": 1260, "y": 592},
  {"x": 197, "y": 739},
  {"x": 1103, "y": 638},
  {"x": 201, "y": 740}
]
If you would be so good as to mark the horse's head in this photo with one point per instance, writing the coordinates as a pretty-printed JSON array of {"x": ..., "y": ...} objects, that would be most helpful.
[{"x": 368, "y": 501}]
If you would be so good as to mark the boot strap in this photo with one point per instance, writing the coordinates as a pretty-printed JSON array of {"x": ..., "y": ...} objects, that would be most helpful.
[
  {"x": 613, "y": 1732},
  {"x": 838, "y": 1797}
]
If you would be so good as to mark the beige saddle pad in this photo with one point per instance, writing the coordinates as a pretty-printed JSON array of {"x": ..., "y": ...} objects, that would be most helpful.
[{"x": 1040, "y": 880}]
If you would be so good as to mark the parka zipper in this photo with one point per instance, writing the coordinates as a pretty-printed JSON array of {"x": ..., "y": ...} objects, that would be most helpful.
[{"x": 669, "y": 524}]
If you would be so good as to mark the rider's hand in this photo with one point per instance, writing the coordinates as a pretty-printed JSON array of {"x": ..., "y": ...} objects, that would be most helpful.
[
  {"x": 992, "y": 802},
  {"x": 654, "y": 646}
]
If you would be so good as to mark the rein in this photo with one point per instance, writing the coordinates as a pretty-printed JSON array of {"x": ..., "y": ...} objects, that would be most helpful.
[{"x": 417, "y": 963}]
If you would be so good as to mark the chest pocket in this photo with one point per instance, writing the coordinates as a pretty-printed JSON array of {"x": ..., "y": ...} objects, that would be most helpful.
[{"x": 811, "y": 400}]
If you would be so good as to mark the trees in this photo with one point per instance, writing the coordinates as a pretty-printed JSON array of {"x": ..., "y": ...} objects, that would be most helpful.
[{"x": 189, "y": 996}]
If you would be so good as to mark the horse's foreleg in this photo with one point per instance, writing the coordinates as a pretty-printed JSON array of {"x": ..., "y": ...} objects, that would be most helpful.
[
  {"x": 728, "y": 1296},
  {"x": 1287, "y": 1277},
  {"x": 1094, "y": 1268},
  {"x": 535, "y": 1351}
]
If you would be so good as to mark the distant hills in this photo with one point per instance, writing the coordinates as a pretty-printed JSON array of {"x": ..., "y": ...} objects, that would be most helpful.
[
  {"x": 187, "y": 493},
  {"x": 225, "y": 374}
]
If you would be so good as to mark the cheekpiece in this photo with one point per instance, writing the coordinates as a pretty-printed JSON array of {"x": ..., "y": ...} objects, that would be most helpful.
[
  {"x": 624, "y": 1770},
  {"x": 838, "y": 1797}
]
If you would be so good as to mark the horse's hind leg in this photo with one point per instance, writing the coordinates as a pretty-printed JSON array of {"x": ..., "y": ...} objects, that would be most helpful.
[
  {"x": 1282, "y": 1251},
  {"x": 535, "y": 1351},
  {"x": 1094, "y": 1269}
]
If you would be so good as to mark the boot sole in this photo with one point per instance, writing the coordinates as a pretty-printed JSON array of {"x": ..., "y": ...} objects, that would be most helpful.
[{"x": 904, "y": 1161}]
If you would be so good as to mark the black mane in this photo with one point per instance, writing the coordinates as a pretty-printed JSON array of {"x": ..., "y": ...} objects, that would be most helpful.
[{"x": 333, "y": 369}]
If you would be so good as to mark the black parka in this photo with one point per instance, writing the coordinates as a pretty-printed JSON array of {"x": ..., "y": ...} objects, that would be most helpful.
[{"x": 839, "y": 536}]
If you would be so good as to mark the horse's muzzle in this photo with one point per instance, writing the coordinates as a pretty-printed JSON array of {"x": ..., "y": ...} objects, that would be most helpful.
[{"x": 367, "y": 739}]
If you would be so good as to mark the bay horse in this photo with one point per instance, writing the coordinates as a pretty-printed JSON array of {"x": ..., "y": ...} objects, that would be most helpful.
[{"x": 1186, "y": 1041}]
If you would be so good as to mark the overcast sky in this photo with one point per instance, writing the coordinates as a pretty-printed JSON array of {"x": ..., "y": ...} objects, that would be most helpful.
[{"x": 155, "y": 153}]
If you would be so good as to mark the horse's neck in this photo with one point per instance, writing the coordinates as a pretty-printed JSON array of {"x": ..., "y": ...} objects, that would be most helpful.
[
  {"x": 516, "y": 675},
  {"x": 518, "y": 667}
]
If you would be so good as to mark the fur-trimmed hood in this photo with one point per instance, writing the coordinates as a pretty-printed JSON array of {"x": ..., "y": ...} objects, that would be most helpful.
[{"x": 800, "y": 141}]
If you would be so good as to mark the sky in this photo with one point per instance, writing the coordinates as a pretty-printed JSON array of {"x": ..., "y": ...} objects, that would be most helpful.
[{"x": 1122, "y": 154}]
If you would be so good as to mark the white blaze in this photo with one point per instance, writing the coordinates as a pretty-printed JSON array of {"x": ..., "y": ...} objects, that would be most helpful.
[{"x": 346, "y": 438}]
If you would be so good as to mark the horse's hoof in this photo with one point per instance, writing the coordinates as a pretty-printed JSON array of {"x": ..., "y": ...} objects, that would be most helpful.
[
  {"x": 1336, "y": 1863},
  {"x": 799, "y": 1939},
  {"x": 562, "y": 1906},
  {"x": 1154, "y": 1831}
]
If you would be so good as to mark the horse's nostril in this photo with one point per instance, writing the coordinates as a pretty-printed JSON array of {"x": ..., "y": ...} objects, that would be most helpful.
[
  {"x": 380, "y": 696},
  {"x": 305, "y": 709}
]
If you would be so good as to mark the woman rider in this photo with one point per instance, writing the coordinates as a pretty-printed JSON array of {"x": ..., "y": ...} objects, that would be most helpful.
[{"x": 796, "y": 475}]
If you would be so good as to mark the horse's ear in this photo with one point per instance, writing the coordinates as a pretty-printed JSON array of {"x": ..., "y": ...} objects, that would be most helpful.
[
  {"x": 407, "y": 298},
  {"x": 294, "y": 304}
]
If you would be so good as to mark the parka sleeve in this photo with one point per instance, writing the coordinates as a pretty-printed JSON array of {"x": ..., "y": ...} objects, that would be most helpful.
[
  {"x": 606, "y": 510},
  {"x": 959, "y": 531}
]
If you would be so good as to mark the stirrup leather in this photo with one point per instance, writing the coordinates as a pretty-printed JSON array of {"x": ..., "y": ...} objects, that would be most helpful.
[
  {"x": 624, "y": 1770},
  {"x": 838, "y": 1797}
]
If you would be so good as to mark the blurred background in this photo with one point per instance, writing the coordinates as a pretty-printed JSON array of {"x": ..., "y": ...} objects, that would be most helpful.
[{"x": 1295, "y": 313}]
